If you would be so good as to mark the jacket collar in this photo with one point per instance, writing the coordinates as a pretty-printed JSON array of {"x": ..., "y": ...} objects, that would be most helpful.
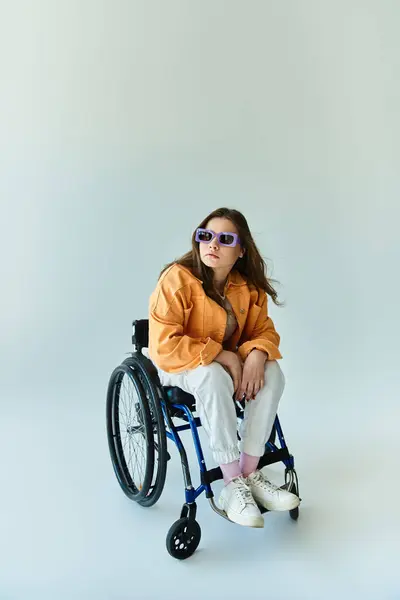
[{"x": 236, "y": 278}]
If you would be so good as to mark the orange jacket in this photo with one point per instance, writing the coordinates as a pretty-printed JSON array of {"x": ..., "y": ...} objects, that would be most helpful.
[{"x": 186, "y": 327}]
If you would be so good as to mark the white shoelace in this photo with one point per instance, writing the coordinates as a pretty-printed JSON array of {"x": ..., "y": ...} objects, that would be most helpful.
[
  {"x": 243, "y": 492},
  {"x": 265, "y": 483}
]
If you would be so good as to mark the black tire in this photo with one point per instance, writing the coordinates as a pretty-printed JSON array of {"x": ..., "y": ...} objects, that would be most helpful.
[
  {"x": 146, "y": 373},
  {"x": 123, "y": 434},
  {"x": 183, "y": 538}
]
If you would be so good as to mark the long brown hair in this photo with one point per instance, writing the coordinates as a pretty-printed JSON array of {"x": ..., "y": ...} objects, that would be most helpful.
[{"x": 252, "y": 266}]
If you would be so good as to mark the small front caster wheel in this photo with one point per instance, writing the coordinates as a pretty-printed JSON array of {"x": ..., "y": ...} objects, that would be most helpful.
[
  {"x": 294, "y": 513},
  {"x": 183, "y": 538},
  {"x": 292, "y": 485}
]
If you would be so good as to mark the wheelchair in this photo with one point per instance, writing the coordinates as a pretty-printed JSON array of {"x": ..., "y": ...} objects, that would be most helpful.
[{"x": 140, "y": 415}]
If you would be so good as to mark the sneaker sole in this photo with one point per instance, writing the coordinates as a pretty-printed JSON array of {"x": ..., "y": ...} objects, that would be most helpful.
[
  {"x": 255, "y": 522},
  {"x": 280, "y": 508}
]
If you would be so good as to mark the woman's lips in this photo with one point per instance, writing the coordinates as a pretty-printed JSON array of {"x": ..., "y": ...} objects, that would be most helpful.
[{"x": 212, "y": 255}]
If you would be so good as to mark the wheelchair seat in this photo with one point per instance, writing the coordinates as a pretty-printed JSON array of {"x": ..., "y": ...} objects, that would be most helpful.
[{"x": 176, "y": 395}]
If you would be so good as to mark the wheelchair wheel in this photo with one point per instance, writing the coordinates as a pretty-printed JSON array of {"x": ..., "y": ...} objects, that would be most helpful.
[
  {"x": 144, "y": 369},
  {"x": 183, "y": 538},
  {"x": 129, "y": 433}
]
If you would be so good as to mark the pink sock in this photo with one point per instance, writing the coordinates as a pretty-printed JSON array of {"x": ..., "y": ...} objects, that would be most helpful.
[
  {"x": 230, "y": 470},
  {"x": 248, "y": 463}
]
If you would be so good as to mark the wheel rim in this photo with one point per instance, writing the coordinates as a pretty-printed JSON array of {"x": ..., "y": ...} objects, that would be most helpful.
[{"x": 131, "y": 433}]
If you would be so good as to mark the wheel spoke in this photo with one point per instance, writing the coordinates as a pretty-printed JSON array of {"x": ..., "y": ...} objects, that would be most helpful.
[
  {"x": 131, "y": 448},
  {"x": 140, "y": 471},
  {"x": 134, "y": 464}
]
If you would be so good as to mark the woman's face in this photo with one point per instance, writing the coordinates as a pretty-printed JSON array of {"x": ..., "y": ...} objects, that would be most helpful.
[{"x": 215, "y": 255}]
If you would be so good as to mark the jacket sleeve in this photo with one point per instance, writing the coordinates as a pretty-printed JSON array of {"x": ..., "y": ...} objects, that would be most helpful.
[
  {"x": 169, "y": 347},
  {"x": 263, "y": 337}
]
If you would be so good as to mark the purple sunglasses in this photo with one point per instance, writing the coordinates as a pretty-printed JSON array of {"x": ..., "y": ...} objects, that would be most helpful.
[{"x": 225, "y": 238}]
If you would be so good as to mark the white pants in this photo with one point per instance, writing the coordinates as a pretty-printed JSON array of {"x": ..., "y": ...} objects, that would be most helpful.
[{"x": 212, "y": 387}]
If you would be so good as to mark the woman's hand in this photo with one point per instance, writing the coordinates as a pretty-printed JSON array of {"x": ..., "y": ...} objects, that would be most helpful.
[
  {"x": 252, "y": 375},
  {"x": 233, "y": 364}
]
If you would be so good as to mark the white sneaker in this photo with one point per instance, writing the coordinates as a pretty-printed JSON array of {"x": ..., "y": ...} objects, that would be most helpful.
[
  {"x": 269, "y": 495},
  {"x": 238, "y": 503}
]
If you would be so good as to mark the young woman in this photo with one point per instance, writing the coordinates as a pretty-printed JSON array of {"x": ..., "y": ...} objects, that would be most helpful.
[{"x": 210, "y": 335}]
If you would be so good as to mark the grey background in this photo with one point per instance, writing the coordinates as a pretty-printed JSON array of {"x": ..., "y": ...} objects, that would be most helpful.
[{"x": 122, "y": 125}]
